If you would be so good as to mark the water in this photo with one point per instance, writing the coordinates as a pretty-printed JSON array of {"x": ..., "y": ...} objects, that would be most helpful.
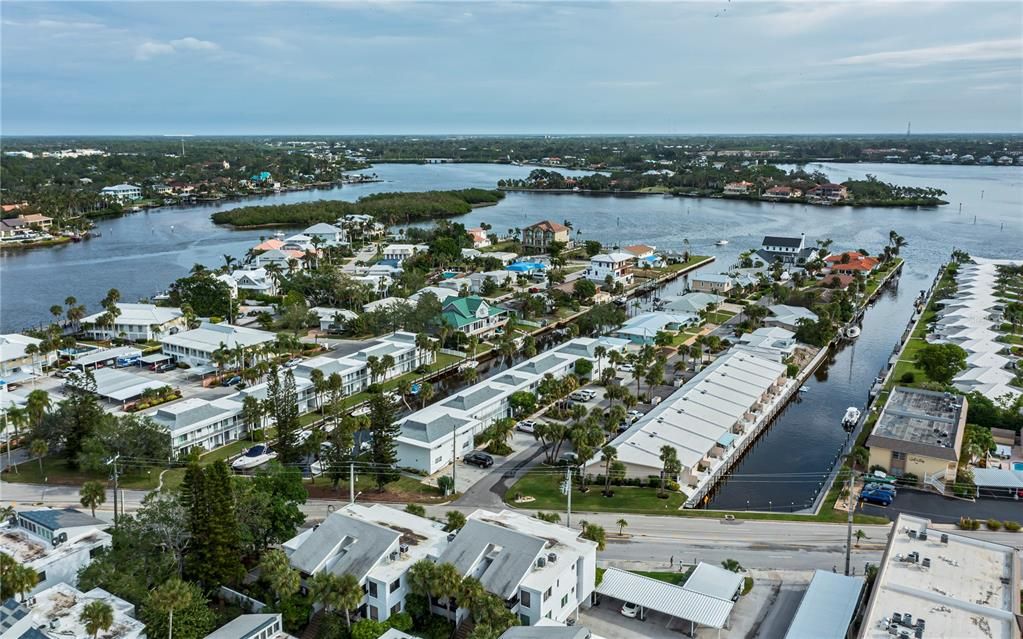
[{"x": 143, "y": 253}]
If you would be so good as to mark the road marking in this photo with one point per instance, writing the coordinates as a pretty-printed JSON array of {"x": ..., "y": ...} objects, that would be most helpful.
[{"x": 780, "y": 556}]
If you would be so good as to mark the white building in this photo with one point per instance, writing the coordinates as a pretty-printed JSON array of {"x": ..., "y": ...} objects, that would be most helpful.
[
  {"x": 122, "y": 192},
  {"x": 788, "y": 317},
  {"x": 377, "y": 545},
  {"x": 287, "y": 260},
  {"x": 333, "y": 319},
  {"x": 501, "y": 278},
  {"x": 330, "y": 234},
  {"x": 772, "y": 342},
  {"x": 136, "y": 322},
  {"x": 717, "y": 283},
  {"x": 199, "y": 423},
  {"x": 254, "y": 280},
  {"x": 384, "y": 304},
  {"x": 57, "y": 610},
  {"x": 541, "y": 570},
  {"x": 265, "y": 625},
  {"x": 56, "y": 543},
  {"x": 950, "y": 584},
  {"x": 616, "y": 265},
  {"x": 440, "y": 292},
  {"x": 195, "y": 347},
  {"x": 232, "y": 285},
  {"x": 353, "y": 367},
  {"x": 401, "y": 252},
  {"x": 643, "y": 328},
  {"x": 430, "y": 437},
  {"x": 14, "y": 360},
  {"x": 703, "y": 420}
]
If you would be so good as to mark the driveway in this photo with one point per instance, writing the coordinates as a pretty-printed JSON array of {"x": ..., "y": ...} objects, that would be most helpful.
[{"x": 946, "y": 510}]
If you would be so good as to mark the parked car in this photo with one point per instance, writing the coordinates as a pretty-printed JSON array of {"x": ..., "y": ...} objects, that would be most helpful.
[
  {"x": 293, "y": 362},
  {"x": 583, "y": 395},
  {"x": 888, "y": 488},
  {"x": 626, "y": 368},
  {"x": 879, "y": 477},
  {"x": 633, "y": 416},
  {"x": 568, "y": 459},
  {"x": 165, "y": 367},
  {"x": 630, "y": 610},
  {"x": 231, "y": 382},
  {"x": 479, "y": 458},
  {"x": 879, "y": 497},
  {"x": 526, "y": 426}
]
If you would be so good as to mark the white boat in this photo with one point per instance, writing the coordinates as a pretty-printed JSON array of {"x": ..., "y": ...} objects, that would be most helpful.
[
  {"x": 720, "y": 242},
  {"x": 852, "y": 332},
  {"x": 468, "y": 365},
  {"x": 253, "y": 457},
  {"x": 803, "y": 389},
  {"x": 852, "y": 417}
]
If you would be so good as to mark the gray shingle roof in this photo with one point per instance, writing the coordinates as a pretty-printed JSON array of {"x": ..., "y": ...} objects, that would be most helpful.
[
  {"x": 342, "y": 544},
  {"x": 468, "y": 401},
  {"x": 540, "y": 366},
  {"x": 509, "y": 555},
  {"x": 55, "y": 519},
  {"x": 432, "y": 430}
]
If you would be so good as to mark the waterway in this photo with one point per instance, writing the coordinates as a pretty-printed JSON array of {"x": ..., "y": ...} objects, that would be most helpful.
[{"x": 141, "y": 254}]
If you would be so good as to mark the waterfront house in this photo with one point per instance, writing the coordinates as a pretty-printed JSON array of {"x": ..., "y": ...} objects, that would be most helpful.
[
  {"x": 54, "y": 542},
  {"x": 271, "y": 244},
  {"x": 645, "y": 256},
  {"x": 782, "y": 193},
  {"x": 122, "y": 193},
  {"x": 771, "y": 342},
  {"x": 330, "y": 235},
  {"x": 537, "y": 238},
  {"x": 196, "y": 347},
  {"x": 16, "y": 363},
  {"x": 828, "y": 193},
  {"x": 138, "y": 322},
  {"x": 617, "y": 266},
  {"x": 542, "y": 571},
  {"x": 398, "y": 253},
  {"x": 788, "y": 317},
  {"x": 285, "y": 260},
  {"x": 254, "y": 280},
  {"x": 738, "y": 188},
  {"x": 787, "y": 250},
  {"x": 850, "y": 262},
  {"x": 375, "y": 544},
  {"x": 717, "y": 283},
  {"x": 920, "y": 432},
  {"x": 643, "y": 328},
  {"x": 692, "y": 303},
  {"x": 24, "y": 224},
  {"x": 479, "y": 238},
  {"x": 473, "y": 316}
]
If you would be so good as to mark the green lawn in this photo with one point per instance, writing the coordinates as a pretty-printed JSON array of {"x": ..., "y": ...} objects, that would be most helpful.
[
  {"x": 677, "y": 578},
  {"x": 719, "y": 317},
  {"x": 56, "y": 472},
  {"x": 671, "y": 268}
]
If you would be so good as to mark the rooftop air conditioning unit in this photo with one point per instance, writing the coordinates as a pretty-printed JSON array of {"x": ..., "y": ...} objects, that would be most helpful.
[
  {"x": 926, "y": 563},
  {"x": 403, "y": 549},
  {"x": 541, "y": 562},
  {"x": 944, "y": 538},
  {"x": 923, "y": 535},
  {"x": 552, "y": 557},
  {"x": 394, "y": 556}
]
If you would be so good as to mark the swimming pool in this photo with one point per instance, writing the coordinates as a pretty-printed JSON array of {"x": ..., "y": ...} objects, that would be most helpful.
[
  {"x": 1017, "y": 466},
  {"x": 526, "y": 267}
]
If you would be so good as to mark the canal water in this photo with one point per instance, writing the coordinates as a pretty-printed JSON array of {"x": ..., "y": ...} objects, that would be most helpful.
[{"x": 141, "y": 254}]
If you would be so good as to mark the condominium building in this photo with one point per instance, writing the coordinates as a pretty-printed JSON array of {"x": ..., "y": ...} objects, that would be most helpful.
[{"x": 139, "y": 322}]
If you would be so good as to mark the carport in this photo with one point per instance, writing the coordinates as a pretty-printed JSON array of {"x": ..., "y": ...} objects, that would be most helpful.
[
  {"x": 677, "y": 602},
  {"x": 154, "y": 359},
  {"x": 996, "y": 482},
  {"x": 121, "y": 386}
]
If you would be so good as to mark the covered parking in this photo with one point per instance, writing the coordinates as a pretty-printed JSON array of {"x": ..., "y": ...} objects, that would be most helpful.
[
  {"x": 706, "y": 599},
  {"x": 121, "y": 386},
  {"x": 998, "y": 483}
]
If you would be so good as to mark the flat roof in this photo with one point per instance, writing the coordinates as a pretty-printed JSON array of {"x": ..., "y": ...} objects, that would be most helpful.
[
  {"x": 921, "y": 421},
  {"x": 827, "y": 607},
  {"x": 969, "y": 587},
  {"x": 120, "y": 385}
]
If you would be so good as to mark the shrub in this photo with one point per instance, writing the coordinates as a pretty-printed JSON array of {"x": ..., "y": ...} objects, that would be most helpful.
[
  {"x": 671, "y": 485},
  {"x": 909, "y": 479},
  {"x": 908, "y": 377},
  {"x": 964, "y": 523},
  {"x": 993, "y": 524},
  {"x": 1011, "y": 526}
]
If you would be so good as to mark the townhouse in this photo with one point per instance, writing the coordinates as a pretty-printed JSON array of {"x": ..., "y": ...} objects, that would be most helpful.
[
  {"x": 195, "y": 347},
  {"x": 138, "y": 322}
]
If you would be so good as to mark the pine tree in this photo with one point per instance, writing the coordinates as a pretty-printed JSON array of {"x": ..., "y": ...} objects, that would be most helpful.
[
  {"x": 385, "y": 434},
  {"x": 194, "y": 500},
  {"x": 223, "y": 542},
  {"x": 284, "y": 400}
]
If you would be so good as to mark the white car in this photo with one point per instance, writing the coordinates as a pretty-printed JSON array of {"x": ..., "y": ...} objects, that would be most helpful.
[
  {"x": 292, "y": 363},
  {"x": 253, "y": 457},
  {"x": 583, "y": 395},
  {"x": 630, "y": 610},
  {"x": 627, "y": 368},
  {"x": 526, "y": 426},
  {"x": 634, "y": 415}
]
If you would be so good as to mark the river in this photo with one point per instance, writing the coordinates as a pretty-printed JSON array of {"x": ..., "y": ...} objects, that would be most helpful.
[{"x": 141, "y": 254}]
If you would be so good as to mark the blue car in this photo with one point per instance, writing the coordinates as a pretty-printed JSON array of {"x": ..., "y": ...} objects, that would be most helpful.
[{"x": 879, "y": 497}]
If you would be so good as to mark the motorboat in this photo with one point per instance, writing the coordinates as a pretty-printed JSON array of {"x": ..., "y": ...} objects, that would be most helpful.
[
  {"x": 720, "y": 242},
  {"x": 253, "y": 457},
  {"x": 852, "y": 332},
  {"x": 468, "y": 365},
  {"x": 803, "y": 389},
  {"x": 851, "y": 418}
]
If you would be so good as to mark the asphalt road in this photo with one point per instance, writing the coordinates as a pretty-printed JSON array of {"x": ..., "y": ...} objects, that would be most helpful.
[{"x": 947, "y": 510}]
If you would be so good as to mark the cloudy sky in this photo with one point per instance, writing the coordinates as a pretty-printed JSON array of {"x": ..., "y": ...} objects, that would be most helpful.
[{"x": 728, "y": 66}]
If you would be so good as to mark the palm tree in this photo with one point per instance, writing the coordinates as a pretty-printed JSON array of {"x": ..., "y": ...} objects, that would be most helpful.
[
  {"x": 447, "y": 581},
  {"x": 17, "y": 417},
  {"x": 608, "y": 454},
  {"x": 669, "y": 457},
  {"x": 92, "y": 494},
  {"x": 621, "y": 523},
  {"x": 471, "y": 595},
  {"x": 38, "y": 403},
  {"x": 170, "y": 596},
  {"x": 39, "y": 448},
  {"x": 599, "y": 353},
  {"x": 349, "y": 595},
  {"x": 860, "y": 535},
  {"x": 97, "y": 616},
  {"x": 276, "y": 569},
  {"x": 425, "y": 393},
  {"x": 228, "y": 261},
  {"x": 17, "y": 577},
  {"x": 421, "y": 579}
]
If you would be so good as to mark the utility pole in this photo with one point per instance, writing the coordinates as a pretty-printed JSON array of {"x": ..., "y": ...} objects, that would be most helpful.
[
  {"x": 113, "y": 460},
  {"x": 351, "y": 482},
  {"x": 454, "y": 457},
  {"x": 852, "y": 507},
  {"x": 568, "y": 493}
]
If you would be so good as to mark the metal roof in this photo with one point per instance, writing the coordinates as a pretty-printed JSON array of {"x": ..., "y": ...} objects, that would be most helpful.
[
  {"x": 714, "y": 581},
  {"x": 827, "y": 607},
  {"x": 55, "y": 519},
  {"x": 669, "y": 599},
  {"x": 996, "y": 478},
  {"x": 244, "y": 626}
]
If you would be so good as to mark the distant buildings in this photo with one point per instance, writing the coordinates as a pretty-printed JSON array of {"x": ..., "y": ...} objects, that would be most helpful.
[
  {"x": 329, "y": 234},
  {"x": 920, "y": 432},
  {"x": 137, "y": 322},
  {"x": 538, "y": 237},
  {"x": 828, "y": 193},
  {"x": 24, "y": 224},
  {"x": 940, "y": 583},
  {"x": 479, "y": 237},
  {"x": 738, "y": 188},
  {"x": 401, "y": 252},
  {"x": 782, "y": 193},
  {"x": 122, "y": 193}
]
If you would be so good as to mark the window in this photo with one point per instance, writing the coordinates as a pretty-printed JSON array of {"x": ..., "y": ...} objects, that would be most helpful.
[
  {"x": 374, "y": 614},
  {"x": 547, "y": 594},
  {"x": 372, "y": 589},
  {"x": 525, "y": 599},
  {"x": 897, "y": 455},
  {"x": 394, "y": 585},
  {"x": 564, "y": 601},
  {"x": 524, "y": 619}
]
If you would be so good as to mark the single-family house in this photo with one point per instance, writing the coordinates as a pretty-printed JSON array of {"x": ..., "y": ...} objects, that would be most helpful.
[
  {"x": 329, "y": 234},
  {"x": 286, "y": 260},
  {"x": 479, "y": 237},
  {"x": 692, "y": 303},
  {"x": 537, "y": 238},
  {"x": 140, "y": 322},
  {"x": 788, "y": 317},
  {"x": 24, "y": 224},
  {"x": 850, "y": 262},
  {"x": 782, "y": 193},
  {"x": 384, "y": 304},
  {"x": 828, "y": 193},
  {"x": 401, "y": 252},
  {"x": 333, "y": 320},
  {"x": 442, "y": 293},
  {"x": 717, "y": 283},
  {"x": 643, "y": 328},
  {"x": 473, "y": 316},
  {"x": 271, "y": 244},
  {"x": 787, "y": 250},
  {"x": 122, "y": 193},
  {"x": 500, "y": 278},
  {"x": 617, "y": 266},
  {"x": 254, "y": 280},
  {"x": 738, "y": 188}
]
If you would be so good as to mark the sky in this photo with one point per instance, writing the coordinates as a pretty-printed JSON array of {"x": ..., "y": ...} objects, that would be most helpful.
[{"x": 490, "y": 67}]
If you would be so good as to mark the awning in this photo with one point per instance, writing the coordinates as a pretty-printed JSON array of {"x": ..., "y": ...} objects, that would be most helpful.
[
  {"x": 996, "y": 478},
  {"x": 669, "y": 599},
  {"x": 155, "y": 358},
  {"x": 726, "y": 439}
]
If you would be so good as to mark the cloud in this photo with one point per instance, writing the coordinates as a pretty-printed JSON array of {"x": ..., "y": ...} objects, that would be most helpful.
[
  {"x": 150, "y": 49},
  {"x": 982, "y": 51}
]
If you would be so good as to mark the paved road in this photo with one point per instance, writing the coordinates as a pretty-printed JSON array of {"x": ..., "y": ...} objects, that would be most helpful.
[{"x": 947, "y": 510}]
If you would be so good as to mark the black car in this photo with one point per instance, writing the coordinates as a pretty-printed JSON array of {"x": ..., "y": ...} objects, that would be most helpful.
[{"x": 478, "y": 458}]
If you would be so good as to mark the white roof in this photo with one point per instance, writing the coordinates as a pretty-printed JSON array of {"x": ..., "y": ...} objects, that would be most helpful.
[
  {"x": 106, "y": 354},
  {"x": 996, "y": 478},
  {"x": 144, "y": 314},
  {"x": 209, "y": 337},
  {"x": 384, "y": 303},
  {"x": 120, "y": 385},
  {"x": 714, "y": 581},
  {"x": 62, "y": 606},
  {"x": 672, "y": 600},
  {"x": 441, "y": 293},
  {"x": 613, "y": 257},
  {"x": 322, "y": 227},
  {"x": 987, "y": 360},
  {"x": 791, "y": 314},
  {"x": 12, "y": 345},
  {"x": 827, "y": 607},
  {"x": 649, "y": 324},
  {"x": 328, "y": 313}
]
